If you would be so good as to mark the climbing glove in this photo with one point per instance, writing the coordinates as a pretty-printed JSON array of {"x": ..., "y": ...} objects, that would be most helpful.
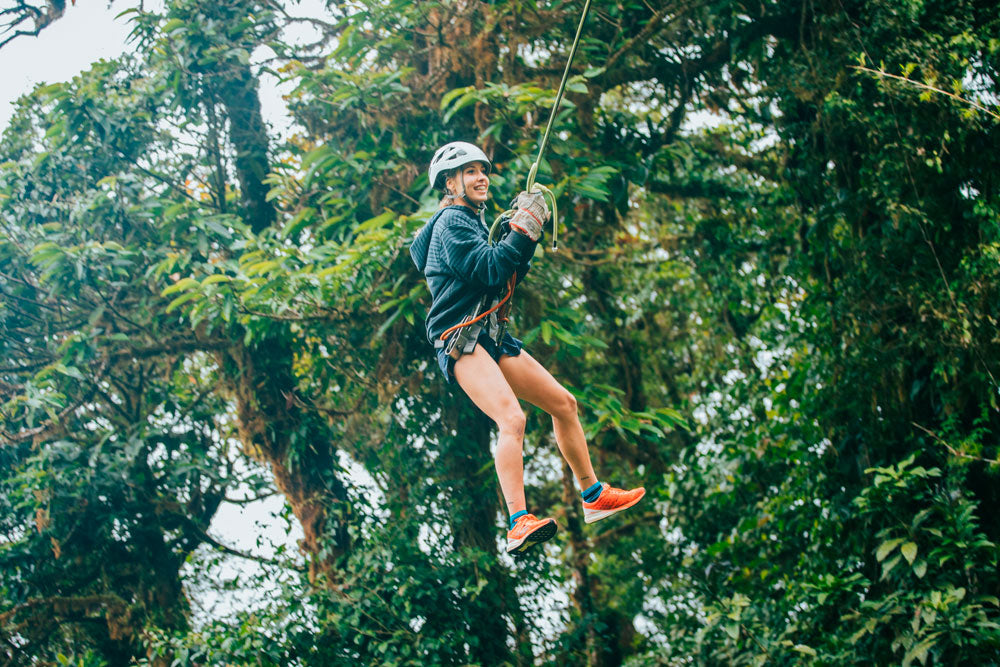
[{"x": 532, "y": 213}]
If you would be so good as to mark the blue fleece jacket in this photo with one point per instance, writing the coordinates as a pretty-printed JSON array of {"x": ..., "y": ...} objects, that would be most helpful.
[{"x": 453, "y": 252}]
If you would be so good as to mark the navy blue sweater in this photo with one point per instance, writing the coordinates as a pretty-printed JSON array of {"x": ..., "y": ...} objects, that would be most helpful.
[{"x": 453, "y": 252}]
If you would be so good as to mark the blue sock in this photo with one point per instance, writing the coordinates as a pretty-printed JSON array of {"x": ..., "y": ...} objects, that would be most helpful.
[
  {"x": 515, "y": 516},
  {"x": 591, "y": 492}
]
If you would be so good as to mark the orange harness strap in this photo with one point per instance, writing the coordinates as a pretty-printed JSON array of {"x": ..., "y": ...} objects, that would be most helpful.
[{"x": 505, "y": 299}]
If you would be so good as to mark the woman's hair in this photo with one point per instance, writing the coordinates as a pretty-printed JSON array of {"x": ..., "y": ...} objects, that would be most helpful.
[{"x": 447, "y": 199}]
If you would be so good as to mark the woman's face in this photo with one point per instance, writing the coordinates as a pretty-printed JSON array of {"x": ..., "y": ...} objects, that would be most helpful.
[{"x": 474, "y": 181}]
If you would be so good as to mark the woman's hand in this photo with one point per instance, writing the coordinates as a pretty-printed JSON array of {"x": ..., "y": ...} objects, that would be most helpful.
[{"x": 532, "y": 213}]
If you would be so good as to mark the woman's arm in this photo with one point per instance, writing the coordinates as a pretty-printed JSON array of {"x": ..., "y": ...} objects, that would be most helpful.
[
  {"x": 522, "y": 270},
  {"x": 467, "y": 253}
]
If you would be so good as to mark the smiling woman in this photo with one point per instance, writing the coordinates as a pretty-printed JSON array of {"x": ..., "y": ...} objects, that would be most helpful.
[{"x": 467, "y": 277}]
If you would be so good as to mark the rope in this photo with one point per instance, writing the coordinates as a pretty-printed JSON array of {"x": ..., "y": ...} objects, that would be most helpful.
[
  {"x": 559, "y": 96},
  {"x": 532, "y": 186},
  {"x": 538, "y": 187}
]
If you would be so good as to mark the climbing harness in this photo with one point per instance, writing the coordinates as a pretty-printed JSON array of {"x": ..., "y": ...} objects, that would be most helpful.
[{"x": 464, "y": 341}]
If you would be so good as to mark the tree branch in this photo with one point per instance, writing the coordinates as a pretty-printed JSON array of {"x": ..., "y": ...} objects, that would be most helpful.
[
  {"x": 22, "y": 12},
  {"x": 641, "y": 38},
  {"x": 952, "y": 450}
]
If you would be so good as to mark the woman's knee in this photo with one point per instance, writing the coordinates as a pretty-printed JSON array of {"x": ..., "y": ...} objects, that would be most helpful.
[
  {"x": 512, "y": 421},
  {"x": 563, "y": 406}
]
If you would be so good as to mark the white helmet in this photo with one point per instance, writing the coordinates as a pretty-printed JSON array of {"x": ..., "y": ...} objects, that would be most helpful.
[{"x": 451, "y": 156}]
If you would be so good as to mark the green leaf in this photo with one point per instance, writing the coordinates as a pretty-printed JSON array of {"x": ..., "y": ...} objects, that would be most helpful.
[
  {"x": 299, "y": 221},
  {"x": 919, "y": 651},
  {"x": 805, "y": 650},
  {"x": 216, "y": 278},
  {"x": 452, "y": 94},
  {"x": 886, "y": 548},
  {"x": 376, "y": 222},
  {"x": 591, "y": 192},
  {"x": 173, "y": 24},
  {"x": 69, "y": 371},
  {"x": 261, "y": 267},
  {"x": 182, "y": 299},
  {"x": 180, "y": 285},
  {"x": 888, "y": 566},
  {"x": 909, "y": 551},
  {"x": 465, "y": 100}
]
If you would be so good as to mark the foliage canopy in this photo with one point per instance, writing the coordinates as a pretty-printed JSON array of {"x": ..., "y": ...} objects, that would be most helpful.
[{"x": 776, "y": 302}]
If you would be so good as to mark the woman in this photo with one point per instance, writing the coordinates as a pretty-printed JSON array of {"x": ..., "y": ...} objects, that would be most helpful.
[{"x": 467, "y": 278}]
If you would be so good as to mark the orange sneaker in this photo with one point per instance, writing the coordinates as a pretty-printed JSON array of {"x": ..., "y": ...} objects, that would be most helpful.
[
  {"x": 529, "y": 531},
  {"x": 610, "y": 501}
]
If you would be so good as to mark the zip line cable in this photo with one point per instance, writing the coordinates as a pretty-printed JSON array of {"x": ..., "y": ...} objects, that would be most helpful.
[
  {"x": 559, "y": 95},
  {"x": 530, "y": 187},
  {"x": 538, "y": 187},
  {"x": 502, "y": 307}
]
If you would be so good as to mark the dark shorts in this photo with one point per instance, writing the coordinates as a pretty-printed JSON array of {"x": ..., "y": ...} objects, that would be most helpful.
[{"x": 509, "y": 346}]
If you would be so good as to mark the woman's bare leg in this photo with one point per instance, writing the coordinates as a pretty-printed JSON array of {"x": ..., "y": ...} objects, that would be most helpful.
[
  {"x": 530, "y": 381},
  {"x": 480, "y": 378}
]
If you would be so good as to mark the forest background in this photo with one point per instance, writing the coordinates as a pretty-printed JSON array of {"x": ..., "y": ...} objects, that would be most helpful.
[{"x": 782, "y": 322}]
